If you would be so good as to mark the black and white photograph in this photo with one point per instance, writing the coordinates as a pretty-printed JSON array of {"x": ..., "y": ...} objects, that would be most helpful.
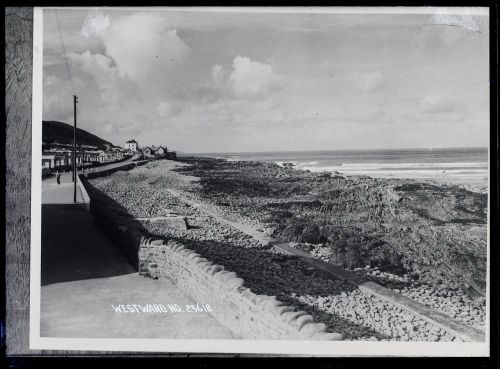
[{"x": 310, "y": 181}]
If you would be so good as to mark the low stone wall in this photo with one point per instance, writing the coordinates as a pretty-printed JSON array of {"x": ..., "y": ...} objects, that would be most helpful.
[
  {"x": 126, "y": 232},
  {"x": 106, "y": 172},
  {"x": 248, "y": 315},
  {"x": 85, "y": 195}
]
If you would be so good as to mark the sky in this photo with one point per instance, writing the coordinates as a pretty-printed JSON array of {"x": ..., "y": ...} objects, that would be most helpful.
[{"x": 199, "y": 81}]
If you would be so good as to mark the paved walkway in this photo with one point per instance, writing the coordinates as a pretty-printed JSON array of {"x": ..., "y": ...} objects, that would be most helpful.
[
  {"x": 84, "y": 274},
  {"x": 52, "y": 193},
  {"x": 83, "y": 309}
]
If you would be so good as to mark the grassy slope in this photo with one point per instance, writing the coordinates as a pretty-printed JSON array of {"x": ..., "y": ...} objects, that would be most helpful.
[{"x": 63, "y": 133}]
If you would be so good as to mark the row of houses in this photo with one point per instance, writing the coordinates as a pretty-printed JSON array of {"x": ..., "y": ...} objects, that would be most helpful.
[
  {"x": 61, "y": 158},
  {"x": 154, "y": 151},
  {"x": 150, "y": 152}
]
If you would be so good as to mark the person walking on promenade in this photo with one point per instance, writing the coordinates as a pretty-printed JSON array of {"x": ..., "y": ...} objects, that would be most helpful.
[{"x": 58, "y": 177}]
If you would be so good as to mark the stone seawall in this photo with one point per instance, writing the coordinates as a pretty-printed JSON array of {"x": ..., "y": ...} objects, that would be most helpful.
[
  {"x": 125, "y": 231},
  {"x": 248, "y": 315},
  {"x": 85, "y": 195},
  {"x": 109, "y": 171},
  {"x": 106, "y": 172}
]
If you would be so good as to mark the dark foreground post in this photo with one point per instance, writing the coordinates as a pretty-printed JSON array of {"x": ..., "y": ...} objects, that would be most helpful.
[{"x": 75, "y": 100}]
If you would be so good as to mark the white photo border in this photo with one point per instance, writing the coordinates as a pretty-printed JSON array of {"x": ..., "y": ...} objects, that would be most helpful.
[{"x": 287, "y": 347}]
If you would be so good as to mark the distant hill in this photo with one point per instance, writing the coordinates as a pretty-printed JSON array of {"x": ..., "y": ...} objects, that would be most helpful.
[{"x": 63, "y": 133}]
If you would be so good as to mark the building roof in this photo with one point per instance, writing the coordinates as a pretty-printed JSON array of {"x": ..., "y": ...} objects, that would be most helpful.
[{"x": 131, "y": 141}]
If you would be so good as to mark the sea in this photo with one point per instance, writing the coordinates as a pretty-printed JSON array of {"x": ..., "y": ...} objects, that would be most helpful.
[{"x": 448, "y": 164}]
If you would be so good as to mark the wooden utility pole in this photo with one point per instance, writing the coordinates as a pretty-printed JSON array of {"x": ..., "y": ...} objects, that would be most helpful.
[{"x": 75, "y": 100}]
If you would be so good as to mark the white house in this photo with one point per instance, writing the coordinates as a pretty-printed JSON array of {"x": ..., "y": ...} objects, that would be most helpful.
[{"x": 132, "y": 145}]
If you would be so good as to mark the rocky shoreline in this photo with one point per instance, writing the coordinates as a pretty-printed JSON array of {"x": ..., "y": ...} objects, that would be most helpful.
[
  {"x": 258, "y": 193},
  {"x": 435, "y": 233}
]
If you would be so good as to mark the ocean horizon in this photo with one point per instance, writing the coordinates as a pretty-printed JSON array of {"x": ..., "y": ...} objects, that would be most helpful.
[{"x": 462, "y": 164}]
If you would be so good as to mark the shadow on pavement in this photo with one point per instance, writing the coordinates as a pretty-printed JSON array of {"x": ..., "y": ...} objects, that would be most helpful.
[{"x": 74, "y": 247}]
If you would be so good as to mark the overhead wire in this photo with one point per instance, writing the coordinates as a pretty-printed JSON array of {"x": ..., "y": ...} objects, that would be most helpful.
[{"x": 65, "y": 56}]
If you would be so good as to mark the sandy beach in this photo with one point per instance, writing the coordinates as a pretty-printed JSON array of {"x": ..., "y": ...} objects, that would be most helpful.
[{"x": 424, "y": 241}]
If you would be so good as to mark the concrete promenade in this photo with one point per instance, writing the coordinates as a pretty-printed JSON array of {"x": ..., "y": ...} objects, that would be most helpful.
[
  {"x": 84, "y": 275},
  {"x": 52, "y": 193}
]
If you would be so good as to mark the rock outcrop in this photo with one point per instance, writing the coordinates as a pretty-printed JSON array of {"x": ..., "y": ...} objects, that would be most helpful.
[{"x": 436, "y": 233}]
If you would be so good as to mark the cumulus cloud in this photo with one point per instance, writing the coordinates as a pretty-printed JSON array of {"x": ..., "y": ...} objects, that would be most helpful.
[
  {"x": 143, "y": 47},
  {"x": 129, "y": 82},
  {"x": 100, "y": 67},
  {"x": 57, "y": 97},
  {"x": 251, "y": 78},
  {"x": 94, "y": 64},
  {"x": 147, "y": 74},
  {"x": 94, "y": 23}
]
